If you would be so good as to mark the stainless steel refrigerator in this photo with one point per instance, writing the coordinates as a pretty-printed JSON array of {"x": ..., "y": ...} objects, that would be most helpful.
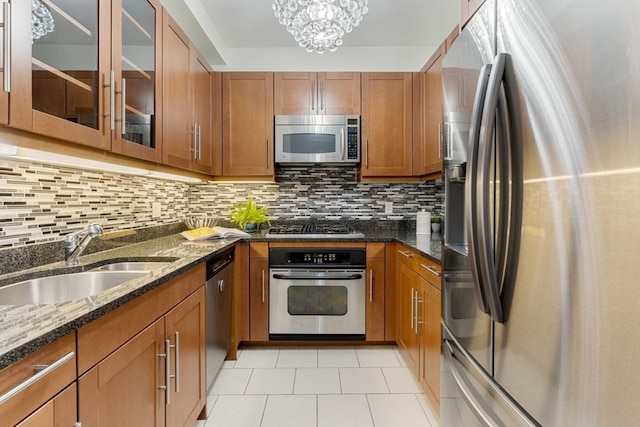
[{"x": 541, "y": 293}]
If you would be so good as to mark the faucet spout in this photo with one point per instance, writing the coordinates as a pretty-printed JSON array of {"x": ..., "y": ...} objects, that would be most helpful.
[{"x": 77, "y": 242}]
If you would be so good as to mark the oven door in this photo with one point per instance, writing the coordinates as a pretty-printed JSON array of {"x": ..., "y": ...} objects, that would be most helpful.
[{"x": 317, "y": 304}]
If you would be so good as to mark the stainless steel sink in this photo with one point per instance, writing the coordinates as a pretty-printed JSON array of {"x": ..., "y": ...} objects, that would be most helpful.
[
  {"x": 64, "y": 287},
  {"x": 133, "y": 265}
]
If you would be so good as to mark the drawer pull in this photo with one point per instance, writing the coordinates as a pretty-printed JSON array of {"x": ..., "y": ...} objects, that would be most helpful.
[
  {"x": 41, "y": 371},
  {"x": 406, "y": 254},
  {"x": 431, "y": 269}
]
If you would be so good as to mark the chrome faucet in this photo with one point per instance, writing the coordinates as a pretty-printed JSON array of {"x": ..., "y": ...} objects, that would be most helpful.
[{"x": 76, "y": 243}]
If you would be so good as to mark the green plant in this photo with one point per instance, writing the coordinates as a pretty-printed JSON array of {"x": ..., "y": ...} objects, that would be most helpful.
[
  {"x": 436, "y": 219},
  {"x": 248, "y": 212}
]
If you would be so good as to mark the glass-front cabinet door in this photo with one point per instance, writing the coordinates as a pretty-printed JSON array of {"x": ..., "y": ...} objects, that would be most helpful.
[
  {"x": 135, "y": 61},
  {"x": 68, "y": 73},
  {"x": 83, "y": 71}
]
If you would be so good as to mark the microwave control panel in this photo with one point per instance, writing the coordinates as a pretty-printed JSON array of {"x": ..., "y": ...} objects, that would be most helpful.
[{"x": 353, "y": 138}]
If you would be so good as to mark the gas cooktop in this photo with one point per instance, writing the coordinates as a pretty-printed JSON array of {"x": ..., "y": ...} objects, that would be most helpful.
[{"x": 314, "y": 230}]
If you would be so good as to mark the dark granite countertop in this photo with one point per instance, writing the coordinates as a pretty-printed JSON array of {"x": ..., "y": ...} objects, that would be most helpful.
[{"x": 26, "y": 328}]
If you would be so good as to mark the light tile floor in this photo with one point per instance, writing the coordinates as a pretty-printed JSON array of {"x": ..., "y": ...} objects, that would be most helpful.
[{"x": 317, "y": 387}]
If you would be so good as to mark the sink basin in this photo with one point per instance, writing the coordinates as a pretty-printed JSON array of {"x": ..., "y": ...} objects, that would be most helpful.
[
  {"x": 132, "y": 265},
  {"x": 64, "y": 287}
]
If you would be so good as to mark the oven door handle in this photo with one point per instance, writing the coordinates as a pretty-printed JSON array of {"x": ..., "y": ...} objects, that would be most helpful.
[{"x": 356, "y": 276}]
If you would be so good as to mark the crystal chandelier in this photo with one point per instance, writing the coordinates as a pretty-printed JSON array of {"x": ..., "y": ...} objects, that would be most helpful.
[
  {"x": 41, "y": 20},
  {"x": 320, "y": 24}
]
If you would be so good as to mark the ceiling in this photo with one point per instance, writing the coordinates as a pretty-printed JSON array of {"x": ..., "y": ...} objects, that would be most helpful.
[{"x": 245, "y": 35}]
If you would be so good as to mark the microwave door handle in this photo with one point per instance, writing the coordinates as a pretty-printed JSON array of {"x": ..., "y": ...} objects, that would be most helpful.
[{"x": 343, "y": 148}]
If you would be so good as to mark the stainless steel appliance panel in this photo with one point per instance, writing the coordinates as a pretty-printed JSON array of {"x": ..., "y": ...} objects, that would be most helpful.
[
  {"x": 569, "y": 352},
  {"x": 564, "y": 346},
  {"x": 218, "y": 291},
  {"x": 462, "y": 301},
  {"x": 305, "y": 139},
  {"x": 317, "y": 301}
]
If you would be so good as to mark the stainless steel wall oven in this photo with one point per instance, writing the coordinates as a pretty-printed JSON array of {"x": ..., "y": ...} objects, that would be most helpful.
[{"x": 317, "y": 293}]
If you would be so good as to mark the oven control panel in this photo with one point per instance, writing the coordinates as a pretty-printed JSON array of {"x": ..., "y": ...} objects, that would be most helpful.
[{"x": 303, "y": 257}]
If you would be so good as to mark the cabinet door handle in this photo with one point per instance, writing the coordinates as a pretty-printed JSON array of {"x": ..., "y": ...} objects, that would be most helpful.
[
  {"x": 167, "y": 368},
  {"x": 124, "y": 106},
  {"x": 199, "y": 142},
  {"x": 194, "y": 140},
  {"x": 268, "y": 153},
  {"x": 431, "y": 269},
  {"x": 6, "y": 29},
  {"x": 370, "y": 285},
  {"x": 41, "y": 371},
  {"x": 366, "y": 153},
  {"x": 313, "y": 96},
  {"x": 406, "y": 254},
  {"x": 112, "y": 96},
  {"x": 412, "y": 308},
  {"x": 419, "y": 321},
  {"x": 263, "y": 285},
  {"x": 440, "y": 140},
  {"x": 177, "y": 362}
]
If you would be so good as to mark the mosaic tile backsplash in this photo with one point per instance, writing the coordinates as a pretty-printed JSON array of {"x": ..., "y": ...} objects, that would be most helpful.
[{"x": 41, "y": 203}]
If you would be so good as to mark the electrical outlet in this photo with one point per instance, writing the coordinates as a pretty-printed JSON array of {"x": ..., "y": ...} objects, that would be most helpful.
[
  {"x": 156, "y": 210},
  {"x": 388, "y": 207}
]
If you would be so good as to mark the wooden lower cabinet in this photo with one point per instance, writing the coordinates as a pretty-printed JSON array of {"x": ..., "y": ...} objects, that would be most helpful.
[
  {"x": 59, "y": 411},
  {"x": 259, "y": 292},
  {"x": 375, "y": 292},
  {"x": 430, "y": 342},
  {"x": 124, "y": 389},
  {"x": 144, "y": 363},
  {"x": 408, "y": 283},
  {"x": 185, "y": 328},
  {"x": 41, "y": 397},
  {"x": 418, "y": 320}
]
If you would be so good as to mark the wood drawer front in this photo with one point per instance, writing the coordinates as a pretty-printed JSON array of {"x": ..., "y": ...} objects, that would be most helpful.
[
  {"x": 59, "y": 356},
  {"x": 104, "y": 335},
  {"x": 259, "y": 250},
  {"x": 375, "y": 250},
  {"x": 430, "y": 271},
  {"x": 408, "y": 257},
  {"x": 426, "y": 268}
]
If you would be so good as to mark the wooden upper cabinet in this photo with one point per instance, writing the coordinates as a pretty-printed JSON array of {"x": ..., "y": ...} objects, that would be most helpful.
[
  {"x": 427, "y": 121},
  {"x": 136, "y": 61},
  {"x": 55, "y": 84},
  {"x": 387, "y": 108},
  {"x": 247, "y": 124},
  {"x": 100, "y": 62},
  {"x": 467, "y": 9},
  {"x": 187, "y": 99},
  {"x": 317, "y": 93}
]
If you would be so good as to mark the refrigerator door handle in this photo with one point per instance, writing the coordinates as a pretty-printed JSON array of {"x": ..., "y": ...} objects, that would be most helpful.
[
  {"x": 485, "y": 249},
  {"x": 498, "y": 265},
  {"x": 471, "y": 188},
  {"x": 514, "y": 180},
  {"x": 451, "y": 346},
  {"x": 466, "y": 391}
]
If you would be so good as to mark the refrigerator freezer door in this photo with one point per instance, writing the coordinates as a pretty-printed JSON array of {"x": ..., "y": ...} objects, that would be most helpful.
[
  {"x": 474, "y": 399},
  {"x": 569, "y": 352}
]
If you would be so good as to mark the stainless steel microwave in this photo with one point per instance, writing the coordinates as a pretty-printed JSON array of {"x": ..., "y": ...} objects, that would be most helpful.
[{"x": 317, "y": 139}]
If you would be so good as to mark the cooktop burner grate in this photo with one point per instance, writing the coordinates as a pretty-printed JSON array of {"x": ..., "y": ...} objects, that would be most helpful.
[{"x": 316, "y": 230}]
